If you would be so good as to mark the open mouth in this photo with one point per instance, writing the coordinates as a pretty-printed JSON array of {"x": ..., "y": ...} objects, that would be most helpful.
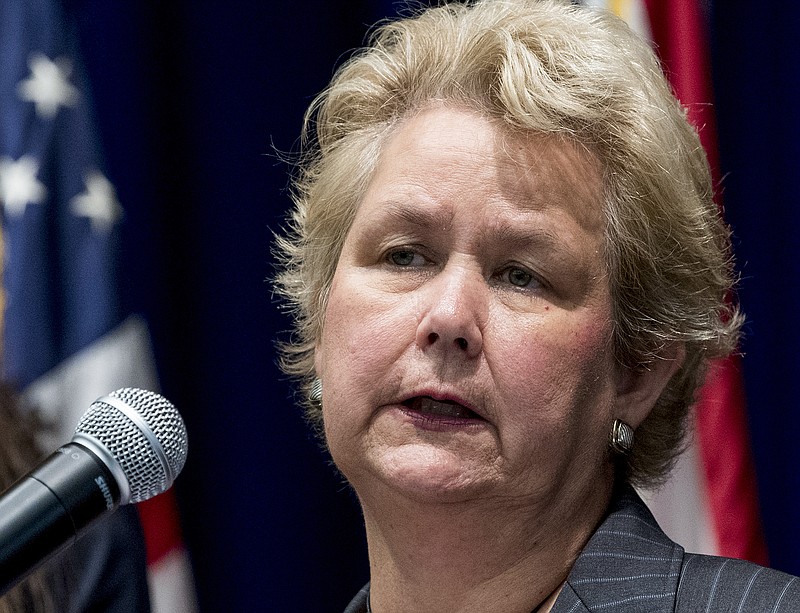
[{"x": 430, "y": 407}]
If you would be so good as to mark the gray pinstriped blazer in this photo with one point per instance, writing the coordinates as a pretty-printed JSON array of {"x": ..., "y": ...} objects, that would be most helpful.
[{"x": 630, "y": 566}]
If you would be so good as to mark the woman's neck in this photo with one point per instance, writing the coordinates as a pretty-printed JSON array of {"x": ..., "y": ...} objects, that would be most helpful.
[{"x": 475, "y": 557}]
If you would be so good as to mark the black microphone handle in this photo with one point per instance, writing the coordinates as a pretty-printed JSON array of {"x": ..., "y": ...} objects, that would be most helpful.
[{"x": 47, "y": 509}]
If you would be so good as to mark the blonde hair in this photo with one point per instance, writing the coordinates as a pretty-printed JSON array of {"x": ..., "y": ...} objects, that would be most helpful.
[{"x": 541, "y": 66}]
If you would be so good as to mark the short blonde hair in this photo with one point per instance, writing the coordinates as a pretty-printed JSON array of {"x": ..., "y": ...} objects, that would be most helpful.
[{"x": 541, "y": 66}]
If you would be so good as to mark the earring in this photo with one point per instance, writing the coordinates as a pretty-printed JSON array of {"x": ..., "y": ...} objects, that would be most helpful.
[
  {"x": 621, "y": 439},
  {"x": 315, "y": 392}
]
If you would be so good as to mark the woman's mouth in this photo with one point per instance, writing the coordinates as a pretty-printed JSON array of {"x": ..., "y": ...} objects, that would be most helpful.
[{"x": 443, "y": 409}]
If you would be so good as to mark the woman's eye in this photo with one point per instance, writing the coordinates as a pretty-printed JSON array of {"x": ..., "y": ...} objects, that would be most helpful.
[
  {"x": 518, "y": 277},
  {"x": 405, "y": 257}
]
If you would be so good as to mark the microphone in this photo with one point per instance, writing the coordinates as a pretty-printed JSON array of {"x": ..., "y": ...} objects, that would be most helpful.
[{"x": 128, "y": 447}]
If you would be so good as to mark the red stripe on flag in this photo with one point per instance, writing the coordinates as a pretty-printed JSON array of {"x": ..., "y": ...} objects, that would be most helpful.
[
  {"x": 679, "y": 32},
  {"x": 727, "y": 463},
  {"x": 161, "y": 525}
]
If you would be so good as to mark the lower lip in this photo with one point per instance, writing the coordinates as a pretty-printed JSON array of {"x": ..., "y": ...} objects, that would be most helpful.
[{"x": 440, "y": 423}]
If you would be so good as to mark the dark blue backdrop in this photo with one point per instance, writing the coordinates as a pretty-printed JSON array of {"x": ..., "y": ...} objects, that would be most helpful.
[
  {"x": 193, "y": 98},
  {"x": 757, "y": 78}
]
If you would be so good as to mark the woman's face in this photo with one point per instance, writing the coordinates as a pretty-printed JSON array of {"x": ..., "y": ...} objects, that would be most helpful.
[{"x": 466, "y": 351}]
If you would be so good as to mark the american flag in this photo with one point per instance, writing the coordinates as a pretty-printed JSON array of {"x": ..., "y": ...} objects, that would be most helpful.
[{"x": 67, "y": 340}]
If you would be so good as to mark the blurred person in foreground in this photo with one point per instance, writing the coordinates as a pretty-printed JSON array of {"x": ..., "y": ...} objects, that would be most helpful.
[
  {"x": 105, "y": 570},
  {"x": 508, "y": 276},
  {"x": 45, "y": 590}
]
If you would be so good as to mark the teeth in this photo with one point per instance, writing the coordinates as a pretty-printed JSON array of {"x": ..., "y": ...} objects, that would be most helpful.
[{"x": 441, "y": 407}]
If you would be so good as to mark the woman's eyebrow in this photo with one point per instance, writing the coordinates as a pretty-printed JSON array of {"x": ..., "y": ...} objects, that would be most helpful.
[
  {"x": 518, "y": 236},
  {"x": 412, "y": 214}
]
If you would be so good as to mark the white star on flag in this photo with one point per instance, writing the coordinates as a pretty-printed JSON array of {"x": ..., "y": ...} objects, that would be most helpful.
[
  {"x": 19, "y": 185},
  {"x": 48, "y": 86},
  {"x": 98, "y": 203}
]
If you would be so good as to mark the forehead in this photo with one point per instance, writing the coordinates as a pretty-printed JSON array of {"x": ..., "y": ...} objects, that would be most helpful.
[{"x": 443, "y": 149}]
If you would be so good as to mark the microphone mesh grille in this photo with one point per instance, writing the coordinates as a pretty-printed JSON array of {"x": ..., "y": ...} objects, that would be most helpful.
[{"x": 130, "y": 446}]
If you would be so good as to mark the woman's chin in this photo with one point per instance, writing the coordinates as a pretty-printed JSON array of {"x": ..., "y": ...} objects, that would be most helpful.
[{"x": 426, "y": 474}]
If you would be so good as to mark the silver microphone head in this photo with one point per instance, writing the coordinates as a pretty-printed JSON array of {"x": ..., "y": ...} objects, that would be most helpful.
[{"x": 141, "y": 438}]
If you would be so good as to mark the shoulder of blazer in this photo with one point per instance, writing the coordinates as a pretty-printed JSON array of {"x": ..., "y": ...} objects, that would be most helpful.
[
  {"x": 711, "y": 583},
  {"x": 628, "y": 566}
]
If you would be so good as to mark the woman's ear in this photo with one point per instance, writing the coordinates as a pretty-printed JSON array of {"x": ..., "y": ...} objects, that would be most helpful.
[{"x": 638, "y": 390}]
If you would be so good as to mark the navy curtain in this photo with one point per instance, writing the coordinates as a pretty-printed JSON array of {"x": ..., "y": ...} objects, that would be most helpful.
[
  {"x": 193, "y": 100},
  {"x": 756, "y": 62}
]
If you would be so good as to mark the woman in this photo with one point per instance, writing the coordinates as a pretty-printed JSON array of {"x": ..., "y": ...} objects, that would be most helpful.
[{"x": 508, "y": 275}]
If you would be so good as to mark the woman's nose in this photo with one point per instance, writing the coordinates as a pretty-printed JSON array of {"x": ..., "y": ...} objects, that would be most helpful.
[{"x": 453, "y": 313}]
